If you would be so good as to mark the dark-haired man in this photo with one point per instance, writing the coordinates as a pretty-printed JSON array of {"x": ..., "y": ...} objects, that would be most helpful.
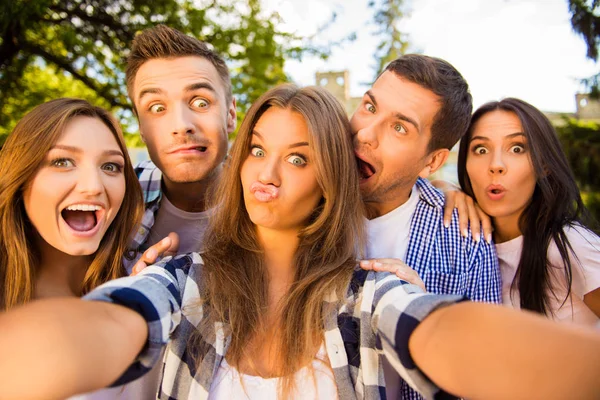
[{"x": 403, "y": 130}]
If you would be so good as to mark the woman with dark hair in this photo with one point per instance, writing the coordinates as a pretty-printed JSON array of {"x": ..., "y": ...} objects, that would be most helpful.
[
  {"x": 277, "y": 308},
  {"x": 512, "y": 163}
]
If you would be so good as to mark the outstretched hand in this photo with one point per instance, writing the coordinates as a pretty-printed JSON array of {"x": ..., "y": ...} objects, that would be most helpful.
[
  {"x": 396, "y": 267},
  {"x": 166, "y": 247}
]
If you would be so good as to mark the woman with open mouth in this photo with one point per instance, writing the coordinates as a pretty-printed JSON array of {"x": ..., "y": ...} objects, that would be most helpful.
[
  {"x": 276, "y": 306},
  {"x": 69, "y": 199},
  {"x": 512, "y": 163}
]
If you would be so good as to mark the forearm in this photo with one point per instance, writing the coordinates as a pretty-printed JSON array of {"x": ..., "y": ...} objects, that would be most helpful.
[
  {"x": 483, "y": 351},
  {"x": 52, "y": 349}
]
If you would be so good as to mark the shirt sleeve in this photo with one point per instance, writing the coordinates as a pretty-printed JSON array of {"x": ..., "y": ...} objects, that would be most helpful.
[
  {"x": 156, "y": 294},
  {"x": 485, "y": 280},
  {"x": 586, "y": 246},
  {"x": 398, "y": 310}
]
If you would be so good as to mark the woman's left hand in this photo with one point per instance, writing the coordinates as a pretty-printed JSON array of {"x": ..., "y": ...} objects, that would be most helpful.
[{"x": 396, "y": 267}]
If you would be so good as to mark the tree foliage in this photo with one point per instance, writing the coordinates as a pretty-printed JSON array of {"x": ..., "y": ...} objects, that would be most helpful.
[
  {"x": 581, "y": 143},
  {"x": 585, "y": 20},
  {"x": 394, "y": 43},
  {"x": 52, "y": 48}
]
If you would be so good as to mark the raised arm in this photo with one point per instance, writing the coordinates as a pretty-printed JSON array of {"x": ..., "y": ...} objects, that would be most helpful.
[
  {"x": 486, "y": 351},
  {"x": 476, "y": 350},
  {"x": 96, "y": 343},
  {"x": 55, "y": 348}
]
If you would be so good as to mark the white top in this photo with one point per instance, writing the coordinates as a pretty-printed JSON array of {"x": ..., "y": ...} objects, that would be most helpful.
[
  {"x": 191, "y": 226},
  {"x": 388, "y": 237},
  {"x": 585, "y": 271},
  {"x": 311, "y": 383}
]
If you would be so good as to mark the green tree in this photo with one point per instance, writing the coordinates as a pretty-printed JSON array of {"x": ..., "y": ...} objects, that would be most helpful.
[
  {"x": 394, "y": 43},
  {"x": 581, "y": 143},
  {"x": 52, "y": 48},
  {"x": 585, "y": 20}
]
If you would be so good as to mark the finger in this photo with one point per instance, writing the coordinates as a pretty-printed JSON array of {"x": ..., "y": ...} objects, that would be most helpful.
[
  {"x": 486, "y": 222},
  {"x": 474, "y": 219},
  {"x": 174, "y": 248},
  {"x": 449, "y": 207},
  {"x": 138, "y": 267},
  {"x": 366, "y": 264},
  {"x": 157, "y": 250},
  {"x": 463, "y": 214}
]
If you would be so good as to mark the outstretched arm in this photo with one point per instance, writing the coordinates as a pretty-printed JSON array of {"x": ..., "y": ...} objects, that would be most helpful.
[
  {"x": 52, "y": 349},
  {"x": 485, "y": 351}
]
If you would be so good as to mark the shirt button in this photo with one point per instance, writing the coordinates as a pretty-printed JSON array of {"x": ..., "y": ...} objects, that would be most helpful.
[{"x": 141, "y": 231}]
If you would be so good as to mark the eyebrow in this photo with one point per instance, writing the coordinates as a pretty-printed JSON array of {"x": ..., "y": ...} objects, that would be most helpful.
[
  {"x": 397, "y": 115},
  {"x": 485, "y": 138},
  {"x": 188, "y": 88},
  {"x": 291, "y": 146},
  {"x": 78, "y": 150}
]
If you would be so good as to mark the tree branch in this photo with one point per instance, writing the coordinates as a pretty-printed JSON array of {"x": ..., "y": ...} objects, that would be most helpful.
[{"x": 67, "y": 66}]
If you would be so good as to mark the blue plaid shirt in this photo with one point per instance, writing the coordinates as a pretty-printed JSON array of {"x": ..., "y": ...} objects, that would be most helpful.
[
  {"x": 446, "y": 261},
  {"x": 377, "y": 317},
  {"x": 150, "y": 178}
]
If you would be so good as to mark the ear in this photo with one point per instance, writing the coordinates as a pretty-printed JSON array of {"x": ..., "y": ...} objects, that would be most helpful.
[
  {"x": 231, "y": 116},
  {"x": 434, "y": 162}
]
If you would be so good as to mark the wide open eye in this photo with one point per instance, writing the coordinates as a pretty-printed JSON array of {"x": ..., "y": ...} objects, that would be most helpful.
[{"x": 257, "y": 151}]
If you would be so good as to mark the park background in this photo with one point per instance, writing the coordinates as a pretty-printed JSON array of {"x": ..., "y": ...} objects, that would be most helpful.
[{"x": 543, "y": 51}]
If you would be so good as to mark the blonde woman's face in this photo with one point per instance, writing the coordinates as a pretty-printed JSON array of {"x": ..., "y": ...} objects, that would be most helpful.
[
  {"x": 78, "y": 190},
  {"x": 279, "y": 175}
]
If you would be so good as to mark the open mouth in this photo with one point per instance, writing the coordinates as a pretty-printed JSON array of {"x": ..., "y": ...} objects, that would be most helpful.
[
  {"x": 82, "y": 217},
  {"x": 200, "y": 148},
  {"x": 365, "y": 169},
  {"x": 496, "y": 191}
]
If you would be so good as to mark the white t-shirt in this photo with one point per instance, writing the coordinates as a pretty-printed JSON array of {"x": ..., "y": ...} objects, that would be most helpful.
[
  {"x": 230, "y": 384},
  {"x": 191, "y": 226},
  {"x": 585, "y": 272},
  {"x": 388, "y": 237}
]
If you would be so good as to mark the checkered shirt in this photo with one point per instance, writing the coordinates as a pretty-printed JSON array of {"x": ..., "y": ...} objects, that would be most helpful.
[
  {"x": 447, "y": 262},
  {"x": 149, "y": 177},
  {"x": 378, "y": 316}
]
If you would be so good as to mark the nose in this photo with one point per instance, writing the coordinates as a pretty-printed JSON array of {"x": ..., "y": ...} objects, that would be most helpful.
[
  {"x": 182, "y": 121},
  {"x": 269, "y": 173},
  {"x": 367, "y": 135},
  {"x": 90, "y": 181},
  {"x": 497, "y": 165}
]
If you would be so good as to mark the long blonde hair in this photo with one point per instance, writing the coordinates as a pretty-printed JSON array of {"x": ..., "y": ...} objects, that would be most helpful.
[
  {"x": 234, "y": 278},
  {"x": 20, "y": 158}
]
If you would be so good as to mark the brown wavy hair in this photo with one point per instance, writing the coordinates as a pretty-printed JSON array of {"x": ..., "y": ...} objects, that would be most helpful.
[
  {"x": 20, "y": 158},
  {"x": 234, "y": 278}
]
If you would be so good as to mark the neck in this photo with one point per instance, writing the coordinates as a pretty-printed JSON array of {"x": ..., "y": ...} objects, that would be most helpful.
[
  {"x": 279, "y": 250},
  {"x": 190, "y": 196},
  {"x": 59, "y": 274},
  {"x": 378, "y": 208},
  {"x": 506, "y": 228}
]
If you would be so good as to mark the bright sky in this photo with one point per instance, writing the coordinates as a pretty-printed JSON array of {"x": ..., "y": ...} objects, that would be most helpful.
[{"x": 518, "y": 48}]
